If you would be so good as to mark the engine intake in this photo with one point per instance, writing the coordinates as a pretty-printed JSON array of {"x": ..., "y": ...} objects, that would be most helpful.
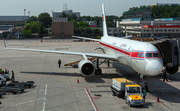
[
  {"x": 172, "y": 70},
  {"x": 86, "y": 67}
]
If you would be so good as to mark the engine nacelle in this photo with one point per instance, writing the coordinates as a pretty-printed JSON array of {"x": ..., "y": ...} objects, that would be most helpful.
[
  {"x": 86, "y": 67},
  {"x": 172, "y": 70}
]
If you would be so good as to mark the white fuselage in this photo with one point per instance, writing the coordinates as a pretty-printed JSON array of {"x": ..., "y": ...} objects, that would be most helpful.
[{"x": 142, "y": 57}]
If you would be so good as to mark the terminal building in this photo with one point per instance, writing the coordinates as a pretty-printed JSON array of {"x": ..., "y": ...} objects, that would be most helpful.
[
  {"x": 13, "y": 20},
  {"x": 134, "y": 22}
]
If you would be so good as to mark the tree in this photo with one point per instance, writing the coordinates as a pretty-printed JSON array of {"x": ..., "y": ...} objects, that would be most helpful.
[
  {"x": 96, "y": 31},
  {"x": 87, "y": 30},
  {"x": 45, "y": 19},
  {"x": 20, "y": 24},
  {"x": 32, "y": 18},
  {"x": 109, "y": 24},
  {"x": 31, "y": 28}
]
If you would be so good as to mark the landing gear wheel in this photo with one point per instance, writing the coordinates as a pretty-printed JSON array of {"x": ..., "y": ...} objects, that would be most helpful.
[
  {"x": 145, "y": 87},
  {"x": 98, "y": 71}
]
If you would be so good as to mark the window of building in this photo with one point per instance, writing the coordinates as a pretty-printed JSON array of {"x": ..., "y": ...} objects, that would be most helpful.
[
  {"x": 169, "y": 30},
  {"x": 160, "y": 30},
  {"x": 172, "y": 30},
  {"x": 165, "y": 30},
  {"x": 156, "y": 30},
  {"x": 144, "y": 30},
  {"x": 177, "y": 30}
]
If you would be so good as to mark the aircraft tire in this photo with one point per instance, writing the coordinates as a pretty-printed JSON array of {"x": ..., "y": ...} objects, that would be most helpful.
[{"x": 98, "y": 71}]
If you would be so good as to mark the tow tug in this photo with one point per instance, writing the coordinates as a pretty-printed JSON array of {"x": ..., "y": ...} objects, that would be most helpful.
[{"x": 132, "y": 93}]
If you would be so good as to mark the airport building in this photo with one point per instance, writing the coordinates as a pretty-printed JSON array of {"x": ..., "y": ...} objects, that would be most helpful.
[
  {"x": 13, "y": 20},
  {"x": 61, "y": 28},
  {"x": 134, "y": 22}
]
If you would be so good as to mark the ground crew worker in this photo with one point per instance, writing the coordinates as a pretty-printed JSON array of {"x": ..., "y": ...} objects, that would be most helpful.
[
  {"x": 144, "y": 95},
  {"x": 12, "y": 77},
  {"x": 59, "y": 62},
  {"x": 165, "y": 77},
  {"x": 1, "y": 71}
]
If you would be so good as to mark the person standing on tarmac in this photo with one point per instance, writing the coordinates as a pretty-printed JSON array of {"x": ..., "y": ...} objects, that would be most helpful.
[
  {"x": 59, "y": 62},
  {"x": 144, "y": 95},
  {"x": 12, "y": 77},
  {"x": 165, "y": 75}
]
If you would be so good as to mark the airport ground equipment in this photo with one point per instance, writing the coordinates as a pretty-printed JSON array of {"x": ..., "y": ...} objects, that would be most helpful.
[
  {"x": 5, "y": 74},
  {"x": 75, "y": 64},
  {"x": 27, "y": 84},
  {"x": 12, "y": 88},
  {"x": 127, "y": 89},
  {"x": 2, "y": 81},
  {"x": 2, "y": 93}
]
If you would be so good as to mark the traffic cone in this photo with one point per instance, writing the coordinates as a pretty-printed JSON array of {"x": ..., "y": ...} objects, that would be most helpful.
[
  {"x": 78, "y": 80},
  {"x": 157, "y": 99}
]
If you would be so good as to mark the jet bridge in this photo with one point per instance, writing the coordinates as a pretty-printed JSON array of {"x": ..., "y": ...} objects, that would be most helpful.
[{"x": 170, "y": 51}]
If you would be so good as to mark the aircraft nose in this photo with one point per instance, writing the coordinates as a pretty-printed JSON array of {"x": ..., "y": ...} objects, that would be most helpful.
[{"x": 154, "y": 67}]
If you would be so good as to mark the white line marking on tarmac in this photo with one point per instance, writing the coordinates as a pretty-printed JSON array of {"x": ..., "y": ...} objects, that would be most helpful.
[
  {"x": 27, "y": 93},
  {"x": 111, "y": 95},
  {"x": 44, "y": 98},
  {"x": 22, "y": 103}
]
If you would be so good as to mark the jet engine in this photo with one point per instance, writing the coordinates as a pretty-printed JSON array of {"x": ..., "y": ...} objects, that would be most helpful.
[
  {"x": 172, "y": 70},
  {"x": 86, "y": 67}
]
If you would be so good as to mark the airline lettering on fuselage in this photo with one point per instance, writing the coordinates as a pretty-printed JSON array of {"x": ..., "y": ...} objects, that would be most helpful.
[{"x": 123, "y": 45}]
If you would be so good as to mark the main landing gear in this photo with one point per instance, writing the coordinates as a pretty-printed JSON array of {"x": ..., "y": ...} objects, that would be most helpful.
[
  {"x": 144, "y": 84},
  {"x": 98, "y": 71}
]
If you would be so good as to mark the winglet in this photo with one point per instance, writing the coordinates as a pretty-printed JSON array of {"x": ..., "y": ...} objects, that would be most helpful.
[{"x": 4, "y": 44}]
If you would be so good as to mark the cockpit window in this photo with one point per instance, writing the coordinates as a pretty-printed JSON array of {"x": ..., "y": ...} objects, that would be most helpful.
[
  {"x": 139, "y": 54},
  {"x": 142, "y": 55},
  {"x": 155, "y": 54},
  {"x": 148, "y": 54}
]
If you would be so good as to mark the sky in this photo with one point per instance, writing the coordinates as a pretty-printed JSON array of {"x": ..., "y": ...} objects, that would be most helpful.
[{"x": 85, "y": 7}]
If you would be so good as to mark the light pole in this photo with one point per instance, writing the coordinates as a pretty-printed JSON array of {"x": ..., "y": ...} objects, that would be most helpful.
[{"x": 24, "y": 16}]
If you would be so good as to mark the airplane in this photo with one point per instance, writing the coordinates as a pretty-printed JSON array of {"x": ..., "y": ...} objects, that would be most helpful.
[{"x": 142, "y": 57}]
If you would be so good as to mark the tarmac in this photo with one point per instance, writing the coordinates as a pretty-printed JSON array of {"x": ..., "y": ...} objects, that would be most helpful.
[{"x": 57, "y": 89}]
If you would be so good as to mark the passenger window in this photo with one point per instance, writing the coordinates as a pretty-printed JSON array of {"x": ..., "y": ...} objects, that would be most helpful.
[
  {"x": 155, "y": 54},
  {"x": 142, "y": 55},
  {"x": 148, "y": 54}
]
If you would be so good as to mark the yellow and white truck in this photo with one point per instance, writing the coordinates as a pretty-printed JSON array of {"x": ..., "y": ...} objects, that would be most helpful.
[{"x": 127, "y": 89}]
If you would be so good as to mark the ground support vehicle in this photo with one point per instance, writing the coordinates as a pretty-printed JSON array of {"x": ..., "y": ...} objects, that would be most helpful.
[
  {"x": 6, "y": 75},
  {"x": 131, "y": 92},
  {"x": 2, "y": 93},
  {"x": 2, "y": 81},
  {"x": 27, "y": 84},
  {"x": 12, "y": 88}
]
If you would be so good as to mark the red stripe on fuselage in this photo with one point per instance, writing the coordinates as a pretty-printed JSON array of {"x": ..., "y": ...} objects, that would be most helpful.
[
  {"x": 128, "y": 53},
  {"x": 116, "y": 49}
]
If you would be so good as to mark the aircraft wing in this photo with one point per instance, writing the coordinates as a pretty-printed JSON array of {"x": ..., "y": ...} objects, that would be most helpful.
[
  {"x": 96, "y": 55},
  {"x": 86, "y": 38}
]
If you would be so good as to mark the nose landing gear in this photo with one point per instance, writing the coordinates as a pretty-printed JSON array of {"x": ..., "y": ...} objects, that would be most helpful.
[{"x": 144, "y": 84}]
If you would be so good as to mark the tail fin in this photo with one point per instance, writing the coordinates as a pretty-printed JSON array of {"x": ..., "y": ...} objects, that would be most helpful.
[{"x": 104, "y": 22}]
